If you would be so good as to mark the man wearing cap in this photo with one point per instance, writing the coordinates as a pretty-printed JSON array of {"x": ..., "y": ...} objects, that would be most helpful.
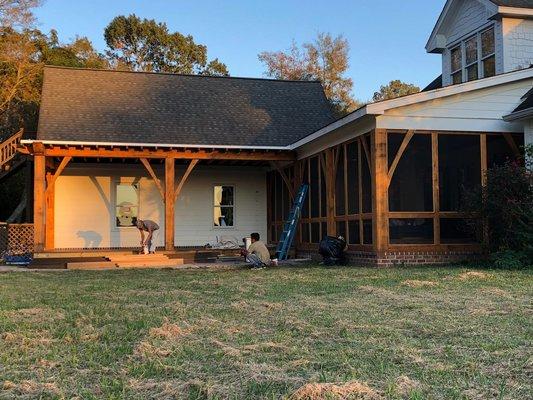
[{"x": 150, "y": 227}]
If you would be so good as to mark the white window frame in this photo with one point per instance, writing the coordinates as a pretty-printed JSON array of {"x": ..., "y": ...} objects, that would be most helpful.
[
  {"x": 479, "y": 61},
  {"x": 217, "y": 206},
  {"x": 119, "y": 182}
]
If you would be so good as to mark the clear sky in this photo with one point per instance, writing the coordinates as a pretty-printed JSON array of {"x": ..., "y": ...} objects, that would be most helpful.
[{"x": 387, "y": 37}]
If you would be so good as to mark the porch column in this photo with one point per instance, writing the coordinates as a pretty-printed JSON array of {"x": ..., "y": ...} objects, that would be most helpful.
[
  {"x": 330, "y": 192},
  {"x": 380, "y": 198},
  {"x": 39, "y": 187},
  {"x": 169, "y": 203}
]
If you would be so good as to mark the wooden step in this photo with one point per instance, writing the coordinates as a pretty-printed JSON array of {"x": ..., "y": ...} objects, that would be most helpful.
[
  {"x": 92, "y": 265},
  {"x": 150, "y": 257},
  {"x": 150, "y": 264}
]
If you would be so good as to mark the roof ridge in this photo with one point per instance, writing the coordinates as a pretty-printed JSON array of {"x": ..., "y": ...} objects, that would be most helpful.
[{"x": 177, "y": 74}]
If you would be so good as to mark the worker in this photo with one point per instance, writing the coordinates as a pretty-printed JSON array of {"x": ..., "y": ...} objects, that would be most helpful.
[
  {"x": 150, "y": 227},
  {"x": 257, "y": 253}
]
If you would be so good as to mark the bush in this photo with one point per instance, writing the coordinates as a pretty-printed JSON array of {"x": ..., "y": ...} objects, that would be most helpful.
[{"x": 506, "y": 205}]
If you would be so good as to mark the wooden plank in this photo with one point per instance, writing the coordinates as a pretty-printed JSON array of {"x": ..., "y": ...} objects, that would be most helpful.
[
  {"x": 484, "y": 166},
  {"x": 117, "y": 152},
  {"x": 39, "y": 161},
  {"x": 169, "y": 203},
  {"x": 150, "y": 264},
  {"x": 436, "y": 188},
  {"x": 183, "y": 179},
  {"x": 156, "y": 180},
  {"x": 407, "y": 138},
  {"x": 360, "y": 183},
  {"x": 380, "y": 190},
  {"x": 91, "y": 265}
]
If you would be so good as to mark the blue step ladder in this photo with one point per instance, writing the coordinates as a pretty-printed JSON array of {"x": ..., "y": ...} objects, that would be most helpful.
[{"x": 290, "y": 226}]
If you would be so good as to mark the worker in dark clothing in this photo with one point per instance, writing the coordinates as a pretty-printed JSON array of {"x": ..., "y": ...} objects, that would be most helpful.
[{"x": 150, "y": 227}]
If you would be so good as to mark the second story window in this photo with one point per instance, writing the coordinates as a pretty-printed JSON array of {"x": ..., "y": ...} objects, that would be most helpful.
[{"x": 473, "y": 58}]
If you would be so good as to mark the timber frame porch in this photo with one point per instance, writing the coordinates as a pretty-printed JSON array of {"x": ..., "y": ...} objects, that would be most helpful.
[{"x": 50, "y": 160}]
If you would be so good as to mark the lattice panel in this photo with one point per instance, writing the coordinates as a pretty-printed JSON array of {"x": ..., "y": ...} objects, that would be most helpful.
[{"x": 19, "y": 238}]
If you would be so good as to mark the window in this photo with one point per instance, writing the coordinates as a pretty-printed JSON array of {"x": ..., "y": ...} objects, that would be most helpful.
[
  {"x": 488, "y": 57},
  {"x": 473, "y": 58},
  {"x": 224, "y": 206},
  {"x": 457, "y": 65},
  {"x": 126, "y": 204}
]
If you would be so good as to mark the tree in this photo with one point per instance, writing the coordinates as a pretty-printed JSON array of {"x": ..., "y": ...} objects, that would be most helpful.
[
  {"x": 146, "y": 45},
  {"x": 325, "y": 59},
  {"x": 17, "y": 13},
  {"x": 395, "y": 89}
]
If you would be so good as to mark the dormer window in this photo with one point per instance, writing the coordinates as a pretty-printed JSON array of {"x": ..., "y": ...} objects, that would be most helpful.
[{"x": 474, "y": 58}]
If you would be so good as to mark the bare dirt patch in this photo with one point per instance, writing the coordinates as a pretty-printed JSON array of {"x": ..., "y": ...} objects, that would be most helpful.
[
  {"x": 417, "y": 284},
  {"x": 349, "y": 390}
]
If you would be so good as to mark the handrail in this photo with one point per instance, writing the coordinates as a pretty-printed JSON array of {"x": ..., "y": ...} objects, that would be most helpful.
[{"x": 8, "y": 148}]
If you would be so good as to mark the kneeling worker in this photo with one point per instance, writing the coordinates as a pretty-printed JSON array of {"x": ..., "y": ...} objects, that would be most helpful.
[
  {"x": 257, "y": 254},
  {"x": 150, "y": 227}
]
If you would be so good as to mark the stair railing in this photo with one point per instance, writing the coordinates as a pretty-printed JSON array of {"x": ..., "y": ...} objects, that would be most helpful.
[{"x": 8, "y": 148}]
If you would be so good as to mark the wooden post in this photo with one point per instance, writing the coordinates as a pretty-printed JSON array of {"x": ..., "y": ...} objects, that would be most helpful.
[
  {"x": 169, "y": 204},
  {"x": 380, "y": 184},
  {"x": 484, "y": 167},
  {"x": 436, "y": 186},
  {"x": 38, "y": 201},
  {"x": 330, "y": 192}
]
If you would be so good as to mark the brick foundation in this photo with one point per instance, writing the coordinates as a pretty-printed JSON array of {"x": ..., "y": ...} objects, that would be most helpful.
[{"x": 398, "y": 258}]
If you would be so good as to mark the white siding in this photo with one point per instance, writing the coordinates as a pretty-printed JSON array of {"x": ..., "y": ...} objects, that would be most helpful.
[
  {"x": 84, "y": 205},
  {"x": 517, "y": 43},
  {"x": 528, "y": 132},
  {"x": 479, "y": 110}
]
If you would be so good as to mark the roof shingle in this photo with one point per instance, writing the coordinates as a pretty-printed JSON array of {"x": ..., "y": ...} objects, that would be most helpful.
[{"x": 117, "y": 106}]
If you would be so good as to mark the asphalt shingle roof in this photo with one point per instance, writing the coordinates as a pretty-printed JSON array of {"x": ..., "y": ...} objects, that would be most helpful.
[
  {"x": 527, "y": 102},
  {"x": 117, "y": 106},
  {"x": 514, "y": 3}
]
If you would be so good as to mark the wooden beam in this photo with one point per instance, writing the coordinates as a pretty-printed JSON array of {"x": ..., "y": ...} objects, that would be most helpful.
[
  {"x": 39, "y": 161},
  {"x": 484, "y": 167},
  {"x": 59, "y": 151},
  {"x": 407, "y": 138},
  {"x": 156, "y": 180},
  {"x": 436, "y": 188},
  {"x": 360, "y": 191},
  {"x": 51, "y": 180},
  {"x": 362, "y": 140},
  {"x": 183, "y": 179},
  {"x": 330, "y": 192},
  {"x": 285, "y": 178},
  {"x": 169, "y": 204},
  {"x": 512, "y": 144},
  {"x": 380, "y": 190}
]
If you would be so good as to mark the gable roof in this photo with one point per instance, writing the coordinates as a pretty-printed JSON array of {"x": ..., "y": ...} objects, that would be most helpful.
[
  {"x": 524, "y": 109},
  {"x": 87, "y": 105}
]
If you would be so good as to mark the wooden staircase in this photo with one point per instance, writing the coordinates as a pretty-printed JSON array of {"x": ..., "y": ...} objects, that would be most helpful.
[{"x": 10, "y": 159}]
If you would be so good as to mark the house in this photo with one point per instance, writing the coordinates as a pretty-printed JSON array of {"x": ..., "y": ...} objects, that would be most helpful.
[{"x": 213, "y": 156}]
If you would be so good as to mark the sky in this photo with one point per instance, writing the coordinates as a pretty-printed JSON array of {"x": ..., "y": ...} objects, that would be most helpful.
[{"x": 386, "y": 37}]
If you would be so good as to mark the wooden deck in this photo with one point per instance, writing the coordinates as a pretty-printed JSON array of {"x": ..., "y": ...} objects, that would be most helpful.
[{"x": 127, "y": 258}]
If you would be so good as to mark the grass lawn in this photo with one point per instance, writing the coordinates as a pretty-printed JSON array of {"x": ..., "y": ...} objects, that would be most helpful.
[{"x": 418, "y": 333}]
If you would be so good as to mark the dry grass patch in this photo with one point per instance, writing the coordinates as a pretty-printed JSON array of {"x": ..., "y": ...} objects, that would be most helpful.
[
  {"x": 416, "y": 283},
  {"x": 36, "y": 315},
  {"x": 474, "y": 275},
  {"x": 30, "y": 389},
  {"x": 405, "y": 385},
  {"x": 168, "y": 331},
  {"x": 326, "y": 391}
]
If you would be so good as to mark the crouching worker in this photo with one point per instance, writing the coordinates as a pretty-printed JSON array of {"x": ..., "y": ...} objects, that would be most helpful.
[
  {"x": 257, "y": 253},
  {"x": 150, "y": 227}
]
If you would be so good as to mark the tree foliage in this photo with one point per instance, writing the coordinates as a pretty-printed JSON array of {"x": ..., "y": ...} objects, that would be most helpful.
[
  {"x": 146, "y": 45},
  {"x": 325, "y": 59},
  {"x": 393, "y": 89}
]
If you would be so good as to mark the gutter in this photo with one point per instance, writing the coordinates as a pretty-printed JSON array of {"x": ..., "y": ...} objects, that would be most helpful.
[{"x": 162, "y": 145}]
